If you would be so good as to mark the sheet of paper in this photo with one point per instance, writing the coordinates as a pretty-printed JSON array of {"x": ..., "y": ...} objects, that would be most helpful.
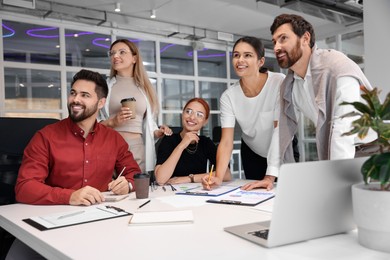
[
  {"x": 243, "y": 197},
  {"x": 162, "y": 217},
  {"x": 112, "y": 197},
  {"x": 199, "y": 190},
  {"x": 85, "y": 214}
]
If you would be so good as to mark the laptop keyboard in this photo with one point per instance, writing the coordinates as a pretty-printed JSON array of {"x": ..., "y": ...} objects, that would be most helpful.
[{"x": 260, "y": 233}]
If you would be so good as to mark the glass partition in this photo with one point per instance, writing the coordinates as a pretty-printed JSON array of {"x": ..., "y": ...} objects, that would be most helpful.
[
  {"x": 176, "y": 59},
  {"x": 29, "y": 91},
  {"x": 30, "y": 43},
  {"x": 87, "y": 49}
]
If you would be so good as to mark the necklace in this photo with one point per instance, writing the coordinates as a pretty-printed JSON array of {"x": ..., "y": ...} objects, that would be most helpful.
[{"x": 191, "y": 148}]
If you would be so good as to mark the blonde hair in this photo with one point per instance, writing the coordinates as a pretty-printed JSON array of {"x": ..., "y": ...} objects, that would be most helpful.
[{"x": 139, "y": 73}]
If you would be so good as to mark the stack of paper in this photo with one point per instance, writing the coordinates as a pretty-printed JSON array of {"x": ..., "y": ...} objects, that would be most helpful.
[{"x": 162, "y": 217}]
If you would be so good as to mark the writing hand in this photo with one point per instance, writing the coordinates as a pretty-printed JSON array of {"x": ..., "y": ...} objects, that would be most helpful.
[
  {"x": 210, "y": 183},
  {"x": 119, "y": 186},
  {"x": 86, "y": 196}
]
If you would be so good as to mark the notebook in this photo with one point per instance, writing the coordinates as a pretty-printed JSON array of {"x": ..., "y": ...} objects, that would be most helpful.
[
  {"x": 162, "y": 217},
  {"x": 313, "y": 199}
]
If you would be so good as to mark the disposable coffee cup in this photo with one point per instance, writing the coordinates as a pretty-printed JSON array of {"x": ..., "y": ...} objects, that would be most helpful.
[
  {"x": 141, "y": 182},
  {"x": 130, "y": 103}
]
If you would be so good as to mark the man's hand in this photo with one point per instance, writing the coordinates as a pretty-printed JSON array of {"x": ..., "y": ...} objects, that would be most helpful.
[
  {"x": 120, "y": 186},
  {"x": 86, "y": 196},
  {"x": 267, "y": 182}
]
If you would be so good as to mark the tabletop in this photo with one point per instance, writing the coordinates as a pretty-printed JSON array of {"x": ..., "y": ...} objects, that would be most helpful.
[{"x": 202, "y": 239}]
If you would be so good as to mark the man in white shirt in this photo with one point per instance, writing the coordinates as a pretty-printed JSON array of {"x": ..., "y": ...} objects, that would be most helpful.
[{"x": 317, "y": 82}]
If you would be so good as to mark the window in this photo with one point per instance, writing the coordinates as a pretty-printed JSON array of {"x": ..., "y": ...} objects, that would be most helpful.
[
  {"x": 176, "y": 59},
  {"x": 212, "y": 63},
  {"x": 30, "y": 43},
  {"x": 32, "y": 91},
  {"x": 87, "y": 49}
]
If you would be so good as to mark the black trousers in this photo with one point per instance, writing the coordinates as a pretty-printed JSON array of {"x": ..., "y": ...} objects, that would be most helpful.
[{"x": 255, "y": 166}]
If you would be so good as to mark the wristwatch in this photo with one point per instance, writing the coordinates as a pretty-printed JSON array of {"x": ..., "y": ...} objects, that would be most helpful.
[{"x": 191, "y": 177}]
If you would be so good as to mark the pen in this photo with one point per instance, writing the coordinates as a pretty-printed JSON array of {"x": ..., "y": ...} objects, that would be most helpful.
[
  {"x": 144, "y": 204},
  {"x": 71, "y": 214},
  {"x": 120, "y": 174},
  {"x": 211, "y": 172}
]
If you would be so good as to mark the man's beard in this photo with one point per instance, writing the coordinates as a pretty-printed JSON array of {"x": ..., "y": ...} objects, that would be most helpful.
[
  {"x": 292, "y": 57},
  {"x": 78, "y": 116}
]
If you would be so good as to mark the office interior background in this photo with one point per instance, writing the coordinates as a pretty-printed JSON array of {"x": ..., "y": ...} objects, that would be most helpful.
[{"x": 185, "y": 45}]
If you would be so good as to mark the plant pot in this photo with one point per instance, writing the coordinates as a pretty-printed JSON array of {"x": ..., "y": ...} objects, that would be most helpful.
[{"x": 371, "y": 210}]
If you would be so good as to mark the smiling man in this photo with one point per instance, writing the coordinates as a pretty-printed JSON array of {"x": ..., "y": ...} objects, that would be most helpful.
[
  {"x": 317, "y": 81},
  {"x": 73, "y": 160}
]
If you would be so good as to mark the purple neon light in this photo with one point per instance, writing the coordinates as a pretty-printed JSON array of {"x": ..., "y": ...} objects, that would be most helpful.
[
  {"x": 32, "y": 33},
  {"x": 191, "y": 53},
  {"x": 95, "y": 42},
  {"x": 166, "y": 47},
  {"x": 9, "y": 29}
]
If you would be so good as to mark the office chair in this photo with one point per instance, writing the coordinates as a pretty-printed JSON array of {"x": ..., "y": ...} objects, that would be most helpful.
[{"x": 15, "y": 133}]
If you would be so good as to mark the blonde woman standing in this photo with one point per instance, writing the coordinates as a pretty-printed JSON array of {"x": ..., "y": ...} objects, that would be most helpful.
[{"x": 128, "y": 78}]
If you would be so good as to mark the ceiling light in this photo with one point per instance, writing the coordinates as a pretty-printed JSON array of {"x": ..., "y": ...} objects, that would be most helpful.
[
  {"x": 153, "y": 14},
  {"x": 117, "y": 7}
]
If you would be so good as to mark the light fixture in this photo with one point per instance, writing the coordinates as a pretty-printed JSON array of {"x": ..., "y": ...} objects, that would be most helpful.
[
  {"x": 153, "y": 14},
  {"x": 117, "y": 7}
]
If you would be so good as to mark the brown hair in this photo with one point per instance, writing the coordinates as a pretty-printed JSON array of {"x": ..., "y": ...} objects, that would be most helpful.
[
  {"x": 202, "y": 102},
  {"x": 139, "y": 73},
  {"x": 298, "y": 24}
]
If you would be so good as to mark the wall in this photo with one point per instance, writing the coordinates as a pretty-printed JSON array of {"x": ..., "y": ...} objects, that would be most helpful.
[{"x": 376, "y": 43}]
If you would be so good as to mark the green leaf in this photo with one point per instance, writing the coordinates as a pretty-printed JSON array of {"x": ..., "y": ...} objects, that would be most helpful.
[{"x": 361, "y": 107}]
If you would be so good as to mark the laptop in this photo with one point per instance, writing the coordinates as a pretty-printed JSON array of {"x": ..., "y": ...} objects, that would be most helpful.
[{"x": 313, "y": 199}]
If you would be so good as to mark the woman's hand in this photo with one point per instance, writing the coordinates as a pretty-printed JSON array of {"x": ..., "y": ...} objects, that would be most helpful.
[
  {"x": 163, "y": 130},
  {"x": 188, "y": 138},
  {"x": 209, "y": 183},
  {"x": 179, "y": 180},
  {"x": 121, "y": 117}
]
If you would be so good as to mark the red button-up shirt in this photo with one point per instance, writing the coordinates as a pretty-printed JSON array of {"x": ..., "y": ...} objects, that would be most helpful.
[{"x": 59, "y": 160}]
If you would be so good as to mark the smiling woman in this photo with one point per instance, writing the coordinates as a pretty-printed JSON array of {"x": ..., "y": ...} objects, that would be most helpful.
[{"x": 183, "y": 157}]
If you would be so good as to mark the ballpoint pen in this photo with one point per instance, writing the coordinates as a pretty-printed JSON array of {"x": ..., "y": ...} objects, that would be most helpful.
[
  {"x": 211, "y": 172},
  {"x": 144, "y": 204},
  {"x": 120, "y": 174},
  {"x": 71, "y": 214}
]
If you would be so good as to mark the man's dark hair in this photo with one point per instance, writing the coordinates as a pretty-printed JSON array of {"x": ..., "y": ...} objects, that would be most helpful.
[
  {"x": 256, "y": 44},
  {"x": 101, "y": 87},
  {"x": 298, "y": 23}
]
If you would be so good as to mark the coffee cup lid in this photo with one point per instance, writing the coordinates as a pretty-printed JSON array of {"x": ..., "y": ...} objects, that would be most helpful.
[
  {"x": 141, "y": 175},
  {"x": 128, "y": 99}
]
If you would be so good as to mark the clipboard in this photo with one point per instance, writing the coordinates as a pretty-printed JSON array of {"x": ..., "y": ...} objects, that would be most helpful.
[
  {"x": 243, "y": 197},
  {"x": 199, "y": 191},
  {"x": 71, "y": 218}
]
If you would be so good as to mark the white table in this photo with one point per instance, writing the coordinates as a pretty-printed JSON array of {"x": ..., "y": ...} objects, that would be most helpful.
[{"x": 204, "y": 239}]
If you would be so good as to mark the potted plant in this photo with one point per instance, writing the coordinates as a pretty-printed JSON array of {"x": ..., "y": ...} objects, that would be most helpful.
[{"x": 371, "y": 199}]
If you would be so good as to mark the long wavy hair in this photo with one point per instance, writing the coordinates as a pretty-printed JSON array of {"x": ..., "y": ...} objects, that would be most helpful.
[{"x": 139, "y": 73}]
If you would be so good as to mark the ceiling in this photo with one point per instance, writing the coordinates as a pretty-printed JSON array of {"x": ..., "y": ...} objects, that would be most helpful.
[{"x": 198, "y": 19}]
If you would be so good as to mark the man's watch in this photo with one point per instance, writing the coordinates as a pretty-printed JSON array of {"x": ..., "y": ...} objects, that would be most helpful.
[{"x": 192, "y": 178}]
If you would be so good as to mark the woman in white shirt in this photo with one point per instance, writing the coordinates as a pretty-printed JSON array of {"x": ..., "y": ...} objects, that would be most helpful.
[
  {"x": 253, "y": 102},
  {"x": 128, "y": 79}
]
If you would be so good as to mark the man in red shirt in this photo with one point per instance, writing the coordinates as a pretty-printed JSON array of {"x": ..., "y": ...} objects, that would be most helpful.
[{"x": 72, "y": 161}]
